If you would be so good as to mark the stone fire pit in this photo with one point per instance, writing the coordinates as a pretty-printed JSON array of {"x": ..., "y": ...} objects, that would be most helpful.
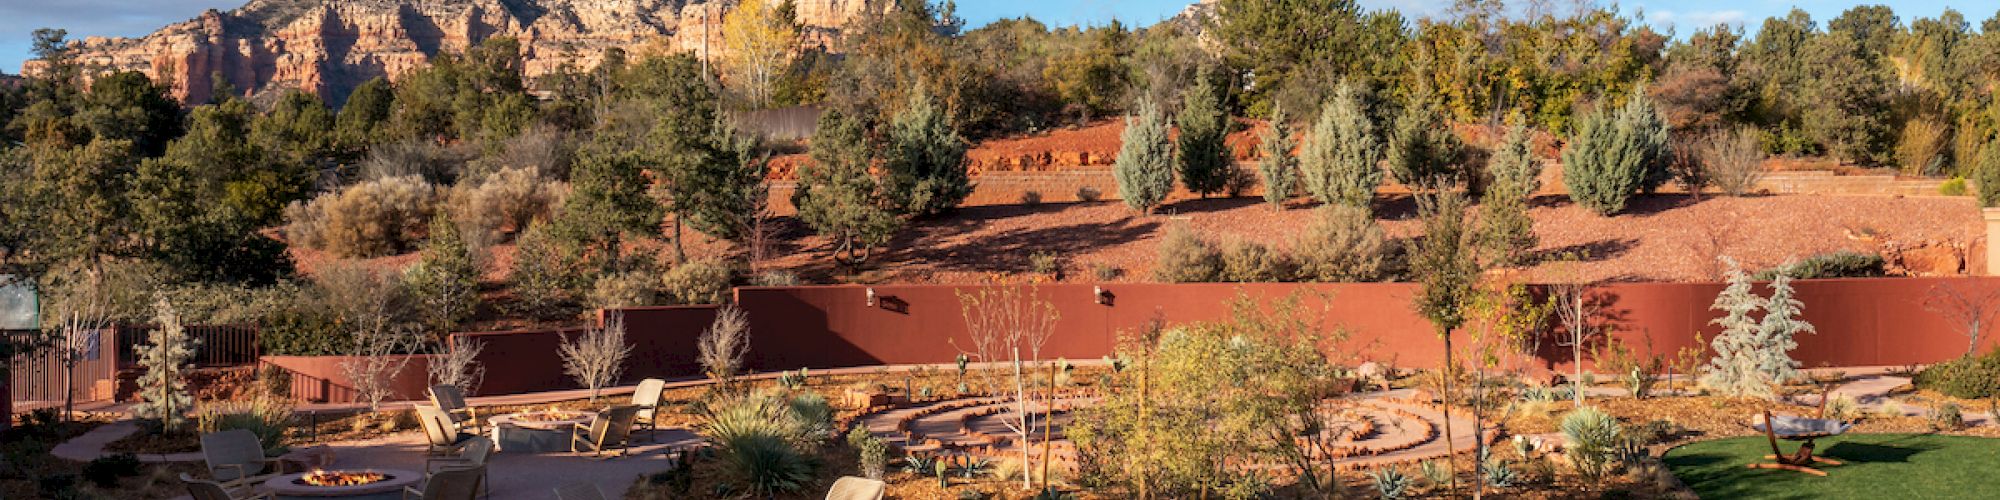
[
  {"x": 384, "y": 484},
  {"x": 537, "y": 431}
]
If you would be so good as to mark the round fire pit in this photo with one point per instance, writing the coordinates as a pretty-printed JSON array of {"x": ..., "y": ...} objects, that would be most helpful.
[
  {"x": 537, "y": 431},
  {"x": 346, "y": 483}
]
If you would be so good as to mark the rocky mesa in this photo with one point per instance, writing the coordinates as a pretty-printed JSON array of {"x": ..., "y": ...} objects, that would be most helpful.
[{"x": 330, "y": 46}]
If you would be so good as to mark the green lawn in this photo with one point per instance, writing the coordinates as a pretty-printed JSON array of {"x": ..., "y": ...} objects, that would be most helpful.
[{"x": 1892, "y": 466}]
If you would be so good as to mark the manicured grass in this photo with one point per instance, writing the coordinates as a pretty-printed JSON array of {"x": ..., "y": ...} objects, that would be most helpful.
[{"x": 1877, "y": 466}]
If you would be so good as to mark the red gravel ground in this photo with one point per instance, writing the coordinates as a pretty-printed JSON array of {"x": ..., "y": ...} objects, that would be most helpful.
[{"x": 1662, "y": 238}]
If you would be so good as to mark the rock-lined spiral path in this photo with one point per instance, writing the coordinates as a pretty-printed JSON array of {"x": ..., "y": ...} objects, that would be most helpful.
[{"x": 1370, "y": 429}]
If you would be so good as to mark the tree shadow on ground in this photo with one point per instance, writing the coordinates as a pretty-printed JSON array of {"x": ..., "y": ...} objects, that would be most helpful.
[
  {"x": 1010, "y": 250},
  {"x": 1875, "y": 452},
  {"x": 1204, "y": 205},
  {"x": 1594, "y": 251}
]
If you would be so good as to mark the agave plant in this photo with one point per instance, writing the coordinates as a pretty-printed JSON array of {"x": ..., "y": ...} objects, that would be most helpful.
[
  {"x": 918, "y": 464},
  {"x": 1390, "y": 482},
  {"x": 1498, "y": 474},
  {"x": 1434, "y": 472}
]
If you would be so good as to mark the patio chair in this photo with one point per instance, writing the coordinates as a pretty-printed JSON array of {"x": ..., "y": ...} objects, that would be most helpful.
[
  {"x": 647, "y": 398},
  {"x": 856, "y": 488},
  {"x": 449, "y": 484},
  {"x": 451, "y": 399},
  {"x": 611, "y": 428},
  {"x": 444, "y": 438},
  {"x": 579, "y": 491},
  {"x": 472, "y": 454},
  {"x": 211, "y": 490},
  {"x": 236, "y": 460},
  {"x": 1805, "y": 431}
]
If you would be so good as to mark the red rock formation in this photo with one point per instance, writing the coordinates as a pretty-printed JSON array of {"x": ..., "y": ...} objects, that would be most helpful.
[{"x": 330, "y": 46}]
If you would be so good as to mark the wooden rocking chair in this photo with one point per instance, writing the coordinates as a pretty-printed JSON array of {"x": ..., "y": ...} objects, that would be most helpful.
[{"x": 1802, "y": 429}]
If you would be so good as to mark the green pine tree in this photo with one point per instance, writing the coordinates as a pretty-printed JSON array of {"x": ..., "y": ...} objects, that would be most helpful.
[
  {"x": 163, "y": 392},
  {"x": 1423, "y": 152},
  {"x": 1341, "y": 161},
  {"x": 445, "y": 279},
  {"x": 924, "y": 166},
  {"x": 1145, "y": 159},
  {"x": 1204, "y": 160},
  {"x": 839, "y": 198},
  {"x": 1507, "y": 233},
  {"x": 608, "y": 200},
  {"x": 1280, "y": 169}
]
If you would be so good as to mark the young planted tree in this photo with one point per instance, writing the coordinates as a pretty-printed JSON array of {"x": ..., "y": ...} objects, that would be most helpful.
[
  {"x": 162, "y": 387},
  {"x": 1278, "y": 166},
  {"x": 82, "y": 316},
  {"x": 839, "y": 198},
  {"x": 924, "y": 166},
  {"x": 721, "y": 347},
  {"x": 1778, "y": 331},
  {"x": 1444, "y": 263},
  {"x": 1968, "y": 305},
  {"x": 597, "y": 357},
  {"x": 445, "y": 280},
  {"x": 379, "y": 354},
  {"x": 1574, "y": 308},
  {"x": 1506, "y": 232},
  {"x": 457, "y": 365},
  {"x": 760, "y": 36},
  {"x": 1145, "y": 159},
  {"x": 1204, "y": 159},
  {"x": 1614, "y": 154},
  {"x": 1738, "y": 368},
  {"x": 1423, "y": 151},
  {"x": 1002, "y": 321},
  {"x": 1341, "y": 162}
]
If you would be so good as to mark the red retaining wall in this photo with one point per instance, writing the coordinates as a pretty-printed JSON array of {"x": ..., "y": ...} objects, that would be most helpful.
[
  {"x": 1861, "y": 322},
  {"x": 321, "y": 379}
]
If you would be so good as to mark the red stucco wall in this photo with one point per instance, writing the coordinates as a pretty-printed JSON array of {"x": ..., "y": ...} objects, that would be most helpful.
[{"x": 322, "y": 378}]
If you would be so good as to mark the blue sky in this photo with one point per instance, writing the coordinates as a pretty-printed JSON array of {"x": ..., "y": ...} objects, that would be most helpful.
[{"x": 137, "y": 17}]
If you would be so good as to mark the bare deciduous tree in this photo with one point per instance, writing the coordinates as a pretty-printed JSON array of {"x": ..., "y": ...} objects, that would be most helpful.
[
  {"x": 458, "y": 365},
  {"x": 1002, "y": 321},
  {"x": 1574, "y": 307},
  {"x": 597, "y": 357},
  {"x": 722, "y": 347},
  {"x": 1969, "y": 305},
  {"x": 81, "y": 317},
  {"x": 380, "y": 355}
]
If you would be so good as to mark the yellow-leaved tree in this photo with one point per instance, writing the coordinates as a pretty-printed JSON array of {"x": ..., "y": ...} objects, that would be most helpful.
[{"x": 760, "y": 37}]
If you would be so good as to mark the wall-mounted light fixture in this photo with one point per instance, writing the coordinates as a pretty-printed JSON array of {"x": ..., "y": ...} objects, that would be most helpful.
[
  {"x": 871, "y": 297},
  {"x": 1101, "y": 296}
]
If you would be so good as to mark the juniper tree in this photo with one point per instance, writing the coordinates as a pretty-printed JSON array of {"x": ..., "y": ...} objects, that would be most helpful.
[
  {"x": 1145, "y": 160},
  {"x": 1986, "y": 174},
  {"x": 1279, "y": 168},
  {"x": 1423, "y": 152},
  {"x": 163, "y": 390},
  {"x": 1204, "y": 158},
  {"x": 445, "y": 280},
  {"x": 1342, "y": 157},
  {"x": 1736, "y": 368},
  {"x": 1506, "y": 232},
  {"x": 1614, "y": 153},
  {"x": 608, "y": 199},
  {"x": 924, "y": 165},
  {"x": 838, "y": 197}
]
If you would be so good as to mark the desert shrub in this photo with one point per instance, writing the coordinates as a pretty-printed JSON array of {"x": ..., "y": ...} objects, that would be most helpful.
[
  {"x": 1967, "y": 377},
  {"x": 543, "y": 149},
  {"x": 269, "y": 417},
  {"x": 415, "y": 158},
  {"x": 1187, "y": 258},
  {"x": 1088, "y": 194},
  {"x": 1343, "y": 243},
  {"x": 1843, "y": 407},
  {"x": 1105, "y": 272},
  {"x": 874, "y": 454},
  {"x": 776, "y": 277},
  {"x": 764, "y": 439},
  {"x": 502, "y": 204},
  {"x": 1952, "y": 187},
  {"x": 1947, "y": 417},
  {"x": 1733, "y": 160},
  {"x": 104, "y": 471},
  {"x": 1249, "y": 261},
  {"x": 699, "y": 281},
  {"x": 1591, "y": 438},
  {"x": 1841, "y": 264},
  {"x": 370, "y": 219},
  {"x": 1031, "y": 198},
  {"x": 1046, "y": 263},
  {"x": 625, "y": 289}
]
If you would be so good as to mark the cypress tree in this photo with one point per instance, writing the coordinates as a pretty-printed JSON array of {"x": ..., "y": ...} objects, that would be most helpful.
[
  {"x": 1507, "y": 233},
  {"x": 925, "y": 162},
  {"x": 1145, "y": 160},
  {"x": 1341, "y": 161},
  {"x": 1614, "y": 154},
  {"x": 1204, "y": 159},
  {"x": 1279, "y": 168}
]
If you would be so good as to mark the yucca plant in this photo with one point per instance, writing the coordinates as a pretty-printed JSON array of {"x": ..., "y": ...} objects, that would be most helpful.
[
  {"x": 761, "y": 439},
  {"x": 1592, "y": 438}
]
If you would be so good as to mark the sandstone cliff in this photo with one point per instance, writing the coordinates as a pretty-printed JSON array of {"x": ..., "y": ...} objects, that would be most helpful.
[{"x": 330, "y": 46}]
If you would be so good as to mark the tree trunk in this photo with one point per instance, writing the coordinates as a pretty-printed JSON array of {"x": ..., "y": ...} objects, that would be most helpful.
[
  {"x": 1021, "y": 411},
  {"x": 1450, "y": 448}
]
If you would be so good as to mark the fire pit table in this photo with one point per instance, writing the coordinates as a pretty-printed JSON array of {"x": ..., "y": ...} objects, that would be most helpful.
[
  {"x": 385, "y": 484},
  {"x": 537, "y": 431}
]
